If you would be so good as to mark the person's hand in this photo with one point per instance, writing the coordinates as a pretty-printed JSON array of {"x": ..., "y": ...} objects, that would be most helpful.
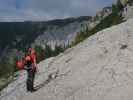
[{"x": 37, "y": 70}]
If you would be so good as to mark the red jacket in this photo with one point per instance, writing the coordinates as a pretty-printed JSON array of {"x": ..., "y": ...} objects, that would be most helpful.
[{"x": 33, "y": 56}]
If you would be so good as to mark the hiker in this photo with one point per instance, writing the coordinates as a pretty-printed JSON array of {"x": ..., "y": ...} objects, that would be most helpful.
[{"x": 31, "y": 67}]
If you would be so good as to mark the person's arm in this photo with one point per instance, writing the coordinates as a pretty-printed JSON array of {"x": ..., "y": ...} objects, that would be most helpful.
[{"x": 35, "y": 62}]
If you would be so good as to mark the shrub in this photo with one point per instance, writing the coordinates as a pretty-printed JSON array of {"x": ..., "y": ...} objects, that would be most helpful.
[
  {"x": 40, "y": 53},
  {"x": 113, "y": 19}
]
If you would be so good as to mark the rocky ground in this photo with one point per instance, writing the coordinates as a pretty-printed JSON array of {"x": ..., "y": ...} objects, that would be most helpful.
[{"x": 99, "y": 68}]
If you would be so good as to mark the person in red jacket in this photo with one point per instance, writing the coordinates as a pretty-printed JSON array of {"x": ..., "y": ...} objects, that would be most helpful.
[{"x": 31, "y": 66}]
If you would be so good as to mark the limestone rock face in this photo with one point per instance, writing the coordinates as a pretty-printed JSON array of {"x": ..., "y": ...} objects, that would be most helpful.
[
  {"x": 128, "y": 11},
  {"x": 99, "y": 68},
  {"x": 104, "y": 12},
  {"x": 124, "y": 2}
]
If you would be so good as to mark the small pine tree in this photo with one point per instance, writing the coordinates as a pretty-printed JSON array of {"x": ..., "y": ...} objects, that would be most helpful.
[
  {"x": 40, "y": 53},
  {"x": 48, "y": 51},
  {"x": 58, "y": 50},
  {"x": 119, "y": 5}
]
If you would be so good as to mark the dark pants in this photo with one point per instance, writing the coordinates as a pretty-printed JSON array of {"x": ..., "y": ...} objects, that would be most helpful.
[{"x": 30, "y": 79}]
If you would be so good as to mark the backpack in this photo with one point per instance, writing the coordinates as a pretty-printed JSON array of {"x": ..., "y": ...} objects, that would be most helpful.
[
  {"x": 29, "y": 62},
  {"x": 32, "y": 55},
  {"x": 20, "y": 62}
]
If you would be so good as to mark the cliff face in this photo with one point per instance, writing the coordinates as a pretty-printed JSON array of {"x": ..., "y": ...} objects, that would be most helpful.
[
  {"x": 128, "y": 11},
  {"x": 55, "y": 35},
  {"x": 104, "y": 12},
  {"x": 99, "y": 68},
  {"x": 125, "y": 2},
  {"x": 16, "y": 34}
]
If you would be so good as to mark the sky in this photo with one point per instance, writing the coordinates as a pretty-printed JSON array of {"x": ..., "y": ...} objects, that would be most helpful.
[{"x": 40, "y": 10}]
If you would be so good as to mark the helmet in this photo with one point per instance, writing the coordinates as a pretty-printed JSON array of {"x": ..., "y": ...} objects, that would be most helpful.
[{"x": 29, "y": 49}]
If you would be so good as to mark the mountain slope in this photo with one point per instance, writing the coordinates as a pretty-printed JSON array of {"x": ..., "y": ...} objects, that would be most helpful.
[
  {"x": 100, "y": 68},
  {"x": 58, "y": 34},
  {"x": 16, "y": 34}
]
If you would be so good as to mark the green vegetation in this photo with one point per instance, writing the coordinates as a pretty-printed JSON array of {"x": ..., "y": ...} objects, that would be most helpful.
[
  {"x": 4, "y": 82},
  {"x": 6, "y": 72},
  {"x": 8, "y": 69},
  {"x": 47, "y": 52},
  {"x": 113, "y": 19},
  {"x": 130, "y": 2},
  {"x": 40, "y": 53},
  {"x": 9, "y": 31},
  {"x": 109, "y": 21}
]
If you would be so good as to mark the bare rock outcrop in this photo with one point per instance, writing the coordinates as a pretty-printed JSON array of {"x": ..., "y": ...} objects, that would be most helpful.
[{"x": 99, "y": 68}]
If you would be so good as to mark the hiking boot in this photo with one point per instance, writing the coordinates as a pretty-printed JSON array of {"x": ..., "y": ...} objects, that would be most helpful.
[{"x": 33, "y": 90}]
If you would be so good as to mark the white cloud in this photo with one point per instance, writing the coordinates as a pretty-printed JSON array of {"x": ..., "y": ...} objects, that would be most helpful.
[{"x": 48, "y": 9}]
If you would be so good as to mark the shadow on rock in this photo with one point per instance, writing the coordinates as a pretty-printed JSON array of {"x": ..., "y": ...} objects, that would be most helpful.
[{"x": 50, "y": 78}]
